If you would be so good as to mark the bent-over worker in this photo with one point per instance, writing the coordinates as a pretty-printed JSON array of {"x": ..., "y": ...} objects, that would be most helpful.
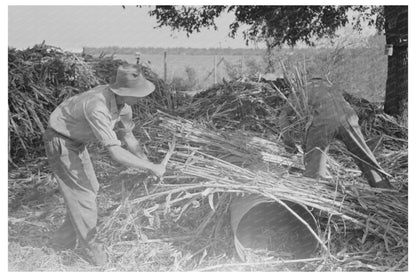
[
  {"x": 333, "y": 118},
  {"x": 86, "y": 117}
]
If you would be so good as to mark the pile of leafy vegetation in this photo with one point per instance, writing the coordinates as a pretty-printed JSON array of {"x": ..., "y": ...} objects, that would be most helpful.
[{"x": 39, "y": 79}]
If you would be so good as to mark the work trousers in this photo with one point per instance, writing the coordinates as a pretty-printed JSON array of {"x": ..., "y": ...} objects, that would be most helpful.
[
  {"x": 72, "y": 167},
  {"x": 346, "y": 129}
]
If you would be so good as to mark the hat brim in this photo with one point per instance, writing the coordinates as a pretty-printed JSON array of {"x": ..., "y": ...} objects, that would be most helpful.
[{"x": 143, "y": 90}]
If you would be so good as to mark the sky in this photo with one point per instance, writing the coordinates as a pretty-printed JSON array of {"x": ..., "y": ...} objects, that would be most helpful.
[{"x": 73, "y": 27}]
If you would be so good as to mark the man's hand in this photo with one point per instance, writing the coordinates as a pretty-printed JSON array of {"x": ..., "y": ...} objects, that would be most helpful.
[
  {"x": 128, "y": 159},
  {"x": 158, "y": 169},
  {"x": 141, "y": 155}
]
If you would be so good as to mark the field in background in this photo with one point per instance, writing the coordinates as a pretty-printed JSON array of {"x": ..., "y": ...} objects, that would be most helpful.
[
  {"x": 359, "y": 71},
  {"x": 202, "y": 64}
]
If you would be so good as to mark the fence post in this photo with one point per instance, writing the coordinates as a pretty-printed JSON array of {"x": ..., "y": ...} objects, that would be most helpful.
[
  {"x": 215, "y": 69},
  {"x": 242, "y": 66},
  {"x": 165, "y": 69}
]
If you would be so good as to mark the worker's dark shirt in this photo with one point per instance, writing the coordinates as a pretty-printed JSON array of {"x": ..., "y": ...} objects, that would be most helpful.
[
  {"x": 327, "y": 105},
  {"x": 327, "y": 110}
]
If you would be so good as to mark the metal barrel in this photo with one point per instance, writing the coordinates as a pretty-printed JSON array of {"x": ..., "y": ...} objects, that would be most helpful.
[{"x": 261, "y": 223}]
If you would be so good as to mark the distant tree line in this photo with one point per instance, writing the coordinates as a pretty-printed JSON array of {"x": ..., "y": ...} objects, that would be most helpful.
[
  {"x": 373, "y": 41},
  {"x": 174, "y": 51}
]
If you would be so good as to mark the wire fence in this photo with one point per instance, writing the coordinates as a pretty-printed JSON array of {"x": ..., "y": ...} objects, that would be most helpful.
[{"x": 205, "y": 70}]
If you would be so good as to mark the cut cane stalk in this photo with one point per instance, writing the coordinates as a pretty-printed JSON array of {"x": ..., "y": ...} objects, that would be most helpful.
[{"x": 170, "y": 152}]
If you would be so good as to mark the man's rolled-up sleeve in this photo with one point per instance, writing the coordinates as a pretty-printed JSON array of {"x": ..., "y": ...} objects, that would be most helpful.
[{"x": 99, "y": 120}]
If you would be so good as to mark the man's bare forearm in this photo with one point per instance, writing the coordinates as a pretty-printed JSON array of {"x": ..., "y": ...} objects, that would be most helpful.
[
  {"x": 127, "y": 158},
  {"x": 134, "y": 146}
]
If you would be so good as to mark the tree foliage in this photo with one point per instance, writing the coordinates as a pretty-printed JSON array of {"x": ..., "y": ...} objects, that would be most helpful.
[{"x": 278, "y": 25}]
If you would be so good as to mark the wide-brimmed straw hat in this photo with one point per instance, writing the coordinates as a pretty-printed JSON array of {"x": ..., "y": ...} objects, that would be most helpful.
[{"x": 130, "y": 82}]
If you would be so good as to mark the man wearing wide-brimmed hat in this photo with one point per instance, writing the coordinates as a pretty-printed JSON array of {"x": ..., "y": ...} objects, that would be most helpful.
[{"x": 92, "y": 116}]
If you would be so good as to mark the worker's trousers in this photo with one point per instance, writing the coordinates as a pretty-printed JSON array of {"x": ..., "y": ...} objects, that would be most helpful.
[
  {"x": 320, "y": 135},
  {"x": 71, "y": 165}
]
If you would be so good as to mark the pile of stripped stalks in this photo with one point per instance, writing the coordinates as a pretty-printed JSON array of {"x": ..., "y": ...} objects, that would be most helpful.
[{"x": 211, "y": 166}]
